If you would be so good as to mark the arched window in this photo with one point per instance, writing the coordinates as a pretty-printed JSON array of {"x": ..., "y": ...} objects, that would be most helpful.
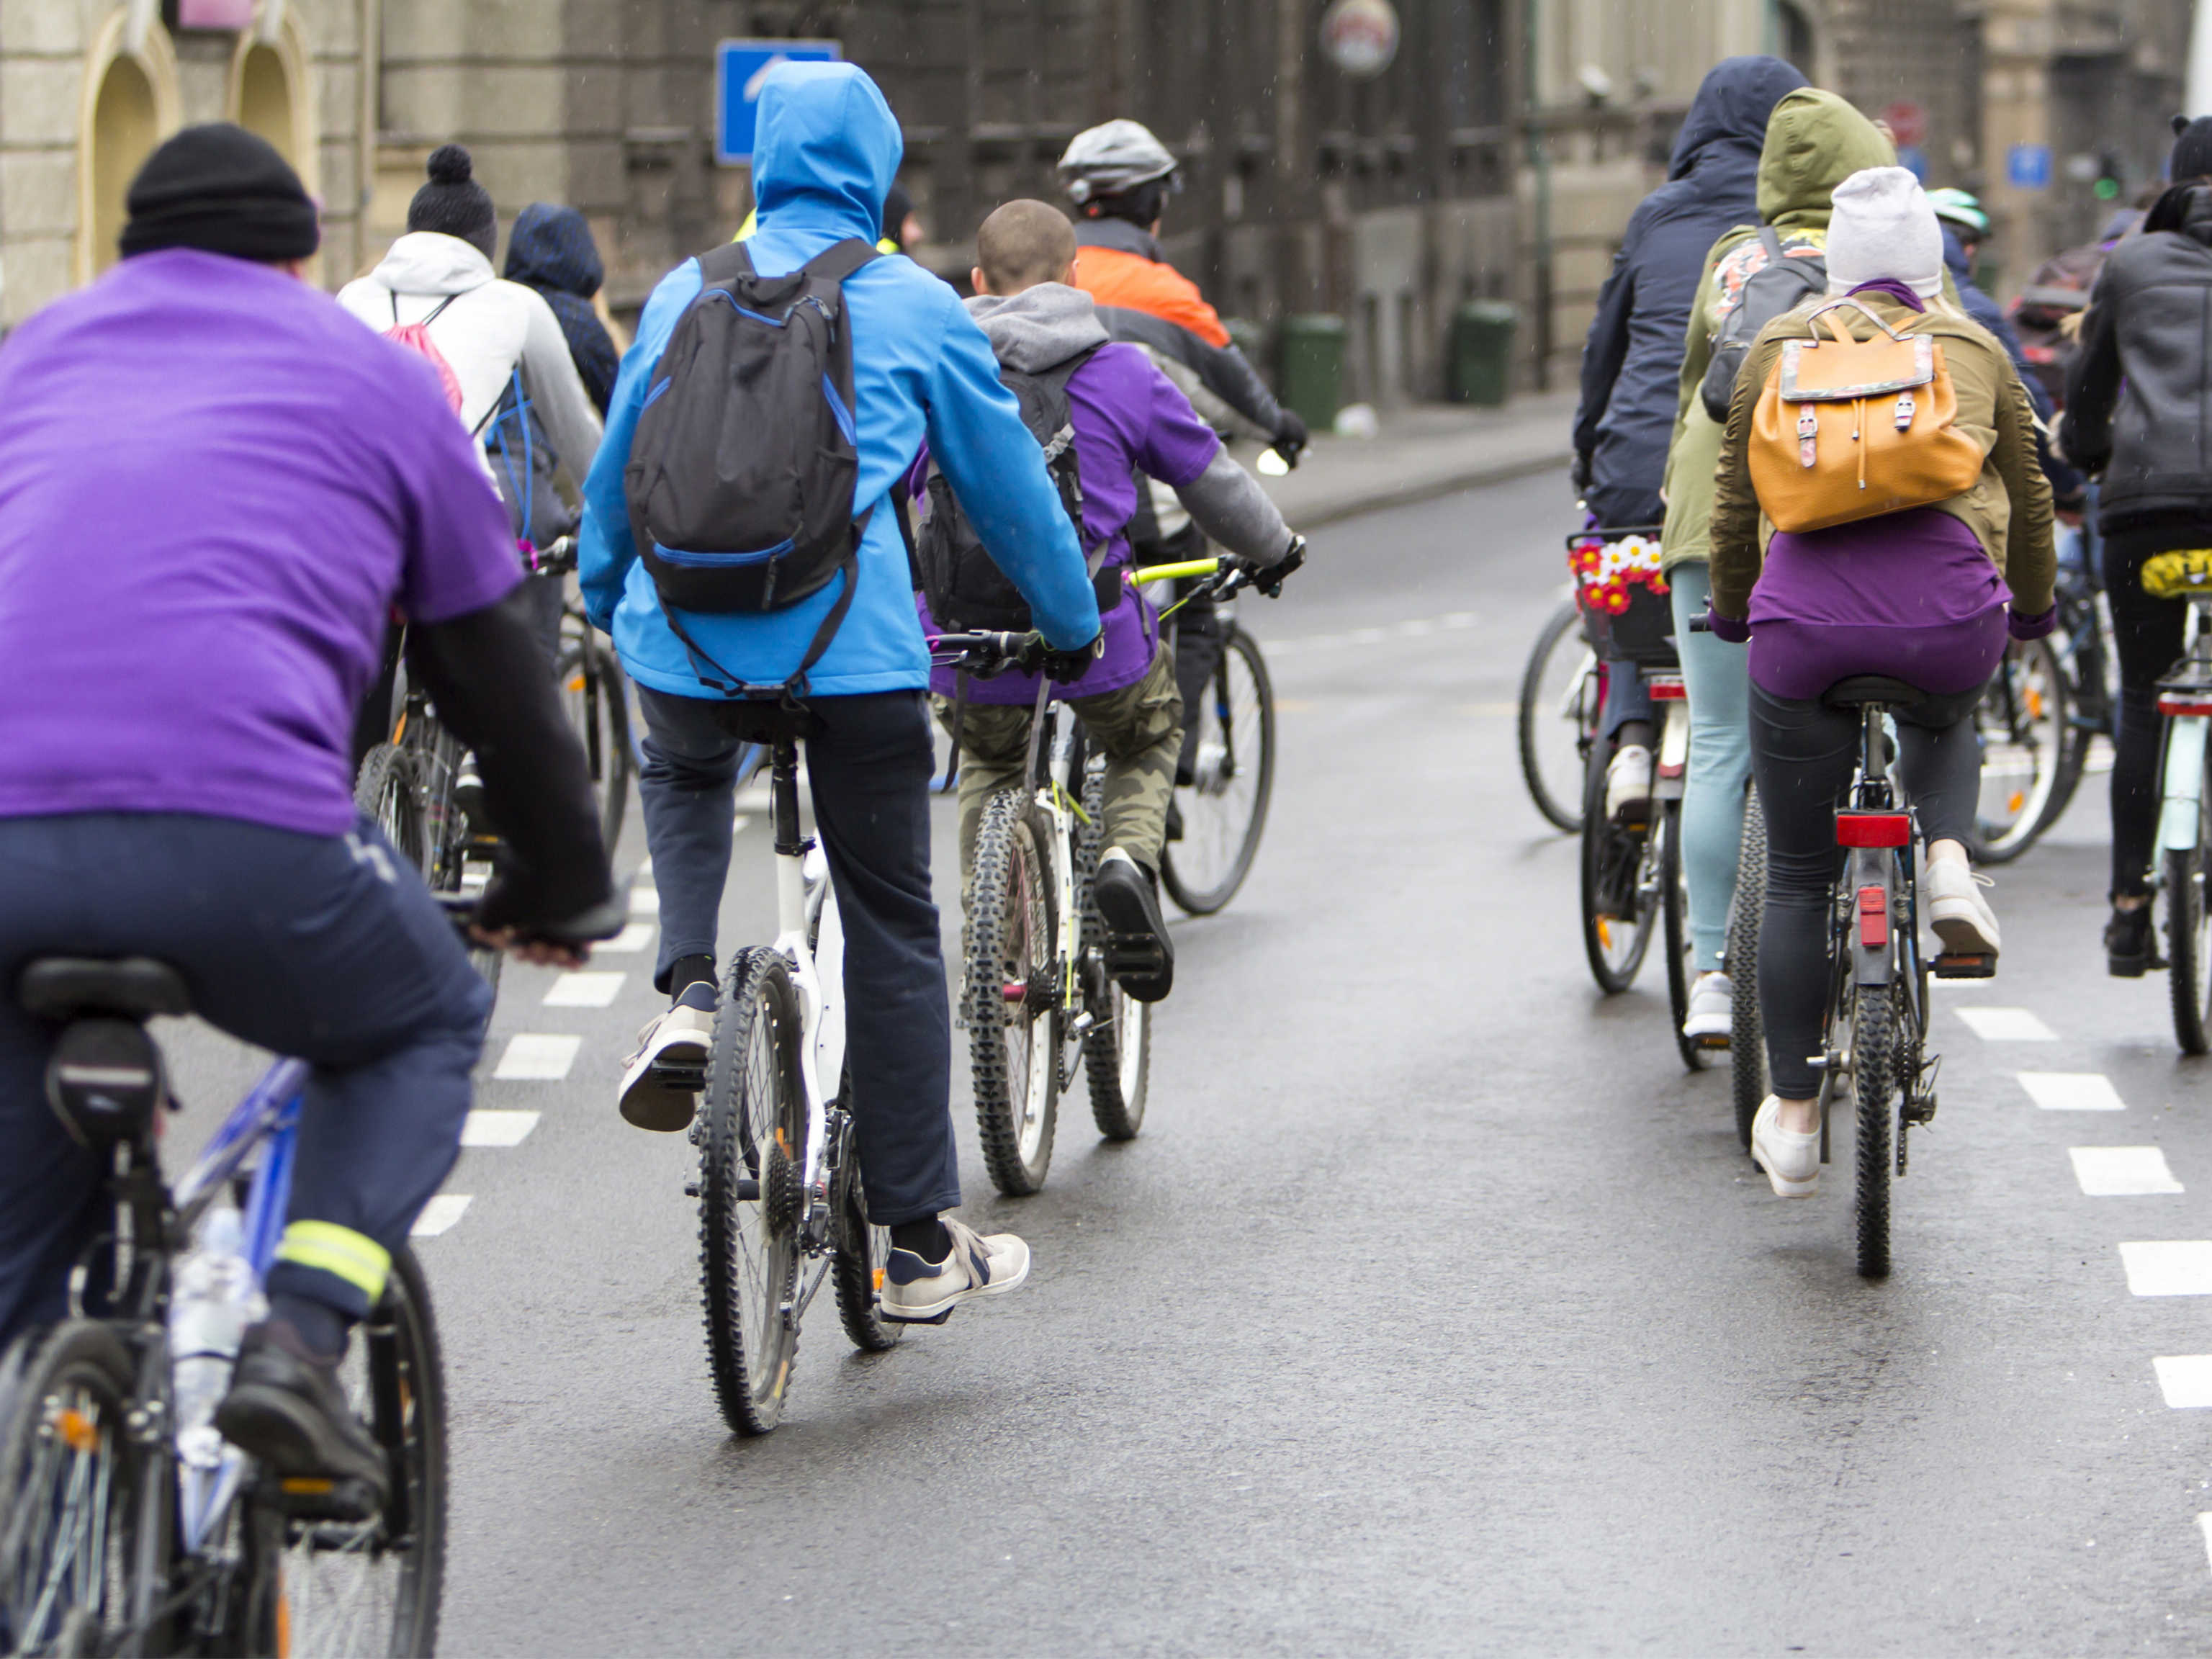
[
  {"x": 130, "y": 104},
  {"x": 272, "y": 94},
  {"x": 1793, "y": 32}
]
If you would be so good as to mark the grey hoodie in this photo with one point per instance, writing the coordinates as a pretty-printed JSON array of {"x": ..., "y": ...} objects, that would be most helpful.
[{"x": 1043, "y": 326}]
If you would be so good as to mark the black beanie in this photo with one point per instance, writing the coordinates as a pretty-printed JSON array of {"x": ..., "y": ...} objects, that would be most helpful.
[
  {"x": 453, "y": 202},
  {"x": 2192, "y": 148},
  {"x": 220, "y": 188}
]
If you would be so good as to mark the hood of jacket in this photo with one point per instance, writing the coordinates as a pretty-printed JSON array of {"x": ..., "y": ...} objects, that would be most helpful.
[
  {"x": 1733, "y": 104},
  {"x": 431, "y": 262},
  {"x": 1039, "y": 328},
  {"x": 552, "y": 247},
  {"x": 826, "y": 150},
  {"x": 1815, "y": 141}
]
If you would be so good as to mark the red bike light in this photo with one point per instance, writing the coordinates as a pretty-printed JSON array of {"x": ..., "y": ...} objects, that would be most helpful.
[
  {"x": 1873, "y": 918},
  {"x": 2182, "y": 703},
  {"x": 1667, "y": 687},
  {"x": 1873, "y": 829}
]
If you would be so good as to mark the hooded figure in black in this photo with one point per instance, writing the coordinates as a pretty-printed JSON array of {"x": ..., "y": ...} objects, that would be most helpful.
[
  {"x": 1634, "y": 359},
  {"x": 552, "y": 250}
]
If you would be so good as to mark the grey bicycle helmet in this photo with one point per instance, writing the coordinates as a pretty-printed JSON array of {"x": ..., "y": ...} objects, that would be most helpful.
[{"x": 1106, "y": 160}]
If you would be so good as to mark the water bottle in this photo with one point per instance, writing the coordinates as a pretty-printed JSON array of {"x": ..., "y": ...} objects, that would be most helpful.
[{"x": 214, "y": 1296}]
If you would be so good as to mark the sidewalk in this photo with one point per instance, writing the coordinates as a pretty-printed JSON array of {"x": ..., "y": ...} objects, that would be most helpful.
[{"x": 1430, "y": 450}]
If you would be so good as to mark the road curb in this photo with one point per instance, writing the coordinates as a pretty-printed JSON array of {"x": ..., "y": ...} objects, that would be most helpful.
[{"x": 1407, "y": 492}]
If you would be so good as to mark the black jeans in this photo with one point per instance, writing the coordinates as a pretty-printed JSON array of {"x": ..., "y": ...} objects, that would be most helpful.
[
  {"x": 1803, "y": 754},
  {"x": 868, "y": 772},
  {"x": 2148, "y": 633},
  {"x": 325, "y": 947}
]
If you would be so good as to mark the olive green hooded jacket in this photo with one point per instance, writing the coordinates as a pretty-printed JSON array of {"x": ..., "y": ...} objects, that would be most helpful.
[{"x": 1815, "y": 141}]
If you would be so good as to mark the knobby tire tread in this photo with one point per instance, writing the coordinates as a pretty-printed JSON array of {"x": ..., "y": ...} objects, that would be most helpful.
[
  {"x": 1876, "y": 1083},
  {"x": 1117, "y": 1118},
  {"x": 1747, "y": 1078},
  {"x": 1681, "y": 973},
  {"x": 1006, "y": 836}
]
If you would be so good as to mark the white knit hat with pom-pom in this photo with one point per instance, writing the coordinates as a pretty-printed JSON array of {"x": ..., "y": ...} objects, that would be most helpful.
[{"x": 1882, "y": 226}]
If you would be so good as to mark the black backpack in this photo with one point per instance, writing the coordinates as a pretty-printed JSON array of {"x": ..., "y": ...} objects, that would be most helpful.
[
  {"x": 741, "y": 474},
  {"x": 1782, "y": 284},
  {"x": 956, "y": 575}
]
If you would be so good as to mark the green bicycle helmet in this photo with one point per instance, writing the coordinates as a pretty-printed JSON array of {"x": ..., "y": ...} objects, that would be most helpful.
[{"x": 1960, "y": 207}]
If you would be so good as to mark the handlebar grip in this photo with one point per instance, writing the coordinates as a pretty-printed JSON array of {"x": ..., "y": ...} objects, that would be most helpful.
[{"x": 1163, "y": 573}]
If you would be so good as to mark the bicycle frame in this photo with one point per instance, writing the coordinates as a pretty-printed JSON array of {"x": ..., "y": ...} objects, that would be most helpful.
[{"x": 2186, "y": 708}]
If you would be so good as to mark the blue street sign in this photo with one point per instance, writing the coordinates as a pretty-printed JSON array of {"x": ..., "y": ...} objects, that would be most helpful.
[
  {"x": 1914, "y": 161},
  {"x": 741, "y": 66},
  {"x": 2027, "y": 166}
]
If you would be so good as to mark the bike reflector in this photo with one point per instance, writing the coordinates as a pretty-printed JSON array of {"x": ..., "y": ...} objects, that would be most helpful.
[
  {"x": 1666, "y": 688},
  {"x": 1873, "y": 918},
  {"x": 2197, "y": 703},
  {"x": 1873, "y": 829}
]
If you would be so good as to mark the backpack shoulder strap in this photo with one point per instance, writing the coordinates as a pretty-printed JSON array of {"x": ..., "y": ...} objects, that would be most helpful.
[
  {"x": 840, "y": 259},
  {"x": 1060, "y": 374},
  {"x": 1769, "y": 240},
  {"x": 720, "y": 267}
]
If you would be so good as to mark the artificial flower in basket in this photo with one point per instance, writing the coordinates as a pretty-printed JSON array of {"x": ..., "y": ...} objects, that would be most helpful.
[{"x": 1606, "y": 572}]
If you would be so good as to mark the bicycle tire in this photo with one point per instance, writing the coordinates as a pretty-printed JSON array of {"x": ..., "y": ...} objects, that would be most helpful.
[
  {"x": 1749, "y": 1082},
  {"x": 1876, "y": 1083},
  {"x": 2028, "y": 697},
  {"x": 386, "y": 792},
  {"x": 1117, "y": 1051},
  {"x": 1674, "y": 914},
  {"x": 858, "y": 1250},
  {"x": 76, "y": 1573},
  {"x": 595, "y": 696},
  {"x": 1613, "y": 865},
  {"x": 750, "y": 1145},
  {"x": 394, "y": 1373},
  {"x": 1013, "y": 1047},
  {"x": 1244, "y": 700},
  {"x": 2188, "y": 939},
  {"x": 1528, "y": 720}
]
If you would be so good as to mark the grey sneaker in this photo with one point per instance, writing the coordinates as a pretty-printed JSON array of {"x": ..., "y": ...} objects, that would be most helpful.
[
  {"x": 661, "y": 1081},
  {"x": 918, "y": 1292}
]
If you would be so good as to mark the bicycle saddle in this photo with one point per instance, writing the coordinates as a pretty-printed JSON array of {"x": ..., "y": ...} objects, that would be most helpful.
[
  {"x": 133, "y": 988},
  {"x": 1856, "y": 690}
]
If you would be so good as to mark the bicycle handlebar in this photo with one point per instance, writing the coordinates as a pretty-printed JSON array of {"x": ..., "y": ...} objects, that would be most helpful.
[
  {"x": 976, "y": 650},
  {"x": 557, "y": 558},
  {"x": 1166, "y": 573}
]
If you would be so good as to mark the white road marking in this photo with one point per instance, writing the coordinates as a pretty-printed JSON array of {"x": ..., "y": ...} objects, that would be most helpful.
[
  {"x": 2169, "y": 1267},
  {"x": 1411, "y": 629},
  {"x": 532, "y": 1058},
  {"x": 2186, "y": 1382},
  {"x": 2006, "y": 1025},
  {"x": 644, "y": 901},
  {"x": 585, "y": 990},
  {"x": 2122, "y": 1171},
  {"x": 2072, "y": 1091},
  {"x": 440, "y": 1213},
  {"x": 738, "y": 823},
  {"x": 628, "y": 942},
  {"x": 644, "y": 872},
  {"x": 497, "y": 1128},
  {"x": 2204, "y": 1521}
]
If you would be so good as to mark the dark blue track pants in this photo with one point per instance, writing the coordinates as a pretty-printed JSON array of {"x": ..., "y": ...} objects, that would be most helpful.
[{"x": 326, "y": 948}]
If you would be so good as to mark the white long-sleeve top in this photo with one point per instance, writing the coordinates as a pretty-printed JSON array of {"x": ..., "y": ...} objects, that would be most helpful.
[{"x": 491, "y": 330}]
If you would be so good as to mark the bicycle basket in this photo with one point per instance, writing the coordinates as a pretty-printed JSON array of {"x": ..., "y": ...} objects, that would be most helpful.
[
  {"x": 1622, "y": 594},
  {"x": 2178, "y": 574}
]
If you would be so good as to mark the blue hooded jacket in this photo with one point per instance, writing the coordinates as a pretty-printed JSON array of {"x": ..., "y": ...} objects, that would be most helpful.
[
  {"x": 827, "y": 150},
  {"x": 1632, "y": 363}
]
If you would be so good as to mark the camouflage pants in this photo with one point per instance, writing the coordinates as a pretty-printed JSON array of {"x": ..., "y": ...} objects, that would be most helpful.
[{"x": 1139, "y": 727}]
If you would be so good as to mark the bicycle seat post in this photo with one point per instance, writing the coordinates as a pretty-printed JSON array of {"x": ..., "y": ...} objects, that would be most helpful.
[{"x": 790, "y": 846}]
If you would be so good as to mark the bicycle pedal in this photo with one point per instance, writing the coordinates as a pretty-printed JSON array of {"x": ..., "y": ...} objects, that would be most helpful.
[
  {"x": 1959, "y": 966},
  {"x": 1139, "y": 957},
  {"x": 316, "y": 1498},
  {"x": 689, "y": 1079},
  {"x": 890, "y": 1318},
  {"x": 1715, "y": 1042}
]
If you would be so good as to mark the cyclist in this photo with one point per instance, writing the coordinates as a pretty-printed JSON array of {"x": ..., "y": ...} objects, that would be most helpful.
[
  {"x": 2134, "y": 412},
  {"x": 1927, "y": 596},
  {"x": 216, "y": 485},
  {"x": 1634, "y": 355},
  {"x": 828, "y": 147},
  {"x": 552, "y": 251},
  {"x": 1815, "y": 141},
  {"x": 1130, "y": 422}
]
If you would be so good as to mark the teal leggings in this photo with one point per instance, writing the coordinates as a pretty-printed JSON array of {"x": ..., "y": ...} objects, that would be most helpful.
[{"x": 1720, "y": 763}]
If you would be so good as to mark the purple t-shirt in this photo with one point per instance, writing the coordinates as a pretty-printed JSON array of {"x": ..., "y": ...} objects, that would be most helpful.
[
  {"x": 1128, "y": 417},
  {"x": 214, "y": 485}
]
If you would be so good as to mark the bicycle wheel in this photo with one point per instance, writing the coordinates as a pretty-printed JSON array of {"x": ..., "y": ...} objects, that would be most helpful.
[
  {"x": 2079, "y": 647},
  {"x": 1233, "y": 764},
  {"x": 1117, "y": 1051},
  {"x": 2025, "y": 724},
  {"x": 2188, "y": 935},
  {"x": 1877, "y": 1082},
  {"x": 376, "y": 1587},
  {"x": 595, "y": 695},
  {"x": 1013, "y": 993},
  {"x": 752, "y": 1145},
  {"x": 1675, "y": 911},
  {"x": 1620, "y": 889},
  {"x": 83, "y": 1511},
  {"x": 1558, "y": 707},
  {"x": 386, "y": 793},
  {"x": 858, "y": 1250},
  {"x": 1748, "y": 1081}
]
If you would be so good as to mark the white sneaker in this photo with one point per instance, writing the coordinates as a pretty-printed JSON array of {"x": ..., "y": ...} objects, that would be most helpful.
[
  {"x": 1628, "y": 784},
  {"x": 1792, "y": 1161},
  {"x": 679, "y": 1038},
  {"x": 917, "y": 1293},
  {"x": 1957, "y": 911},
  {"x": 1712, "y": 1009}
]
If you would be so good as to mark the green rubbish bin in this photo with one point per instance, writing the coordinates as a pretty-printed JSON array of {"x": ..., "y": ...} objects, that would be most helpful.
[
  {"x": 1482, "y": 351},
  {"x": 1313, "y": 367}
]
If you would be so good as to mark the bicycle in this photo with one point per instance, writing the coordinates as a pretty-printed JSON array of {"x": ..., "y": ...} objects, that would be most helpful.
[
  {"x": 781, "y": 1205},
  {"x": 595, "y": 693},
  {"x": 2026, "y": 727},
  {"x": 2184, "y": 849},
  {"x": 1230, "y": 744},
  {"x": 1749, "y": 1080},
  {"x": 1562, "y": 696},
  {"x": 124, "y": 1528}
]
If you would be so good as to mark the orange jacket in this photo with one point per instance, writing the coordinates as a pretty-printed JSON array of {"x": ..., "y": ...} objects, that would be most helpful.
[{"x": 1134, "y": 282}]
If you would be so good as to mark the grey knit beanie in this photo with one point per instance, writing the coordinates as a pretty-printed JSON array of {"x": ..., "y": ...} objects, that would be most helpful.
[
  {"x": 1882, "y": 226},
  {"x": 454, "y": 202}
]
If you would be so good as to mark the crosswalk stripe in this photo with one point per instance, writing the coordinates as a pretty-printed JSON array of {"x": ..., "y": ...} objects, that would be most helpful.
[
  {"x": 2006, "y": 1025},
  {"x": 440, "y": 1213},
  {"x": 2185, "y": 1380},
  {"x": 644, "y": 901},
  {"x": 632, "y": 940},
  {"x": 2122, "y": 1171},
  {"x": 538, "y": 1057},
  {"x": 585, "y": 990},
  {"x": 2168, "y": 1267},
  {"x": 497, "y": 1128},
  {"x": 2072, "y": 1091}
]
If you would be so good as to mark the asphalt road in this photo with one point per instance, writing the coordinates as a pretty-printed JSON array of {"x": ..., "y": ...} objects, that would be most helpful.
[{"x": 1435, "y": 1311}]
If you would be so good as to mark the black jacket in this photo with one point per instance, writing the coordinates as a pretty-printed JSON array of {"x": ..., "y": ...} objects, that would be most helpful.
[
  {"x": 2065, "y": 482},
  {"x": 2139, "y": 394},
  {"x": 1634, "y": 359}
]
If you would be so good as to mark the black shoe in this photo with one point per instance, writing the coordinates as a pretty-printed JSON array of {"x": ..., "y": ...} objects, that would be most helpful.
[
  {"x": 2132, "y": 944},
  {"x": 284, "y": 1408},
  {"x": 1139, "y": 953},
  {"x": 1175, "y": 818}
]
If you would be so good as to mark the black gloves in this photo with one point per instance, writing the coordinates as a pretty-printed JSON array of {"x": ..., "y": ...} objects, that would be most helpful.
[
  {"x": 1579, "y": 474},
  {"x": 1290, "y": 437},
  {"x": 1036, "y": 655},
  {"x": 1267, "y": 578}
]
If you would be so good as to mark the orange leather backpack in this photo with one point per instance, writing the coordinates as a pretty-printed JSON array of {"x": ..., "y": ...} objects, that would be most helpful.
[{"x": 1848, "y": 430}]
